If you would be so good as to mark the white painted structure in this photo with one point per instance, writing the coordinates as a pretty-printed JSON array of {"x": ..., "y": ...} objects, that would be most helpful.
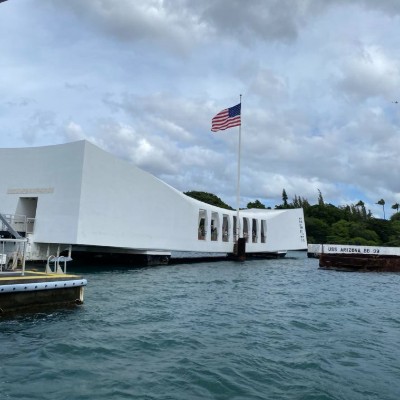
[
  {"x": 78, "y": 195},
  {"x": 317, "y": 249}
]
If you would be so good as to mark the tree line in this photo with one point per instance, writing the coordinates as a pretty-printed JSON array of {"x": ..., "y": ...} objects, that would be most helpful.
[{"x": 350, "y": 224}]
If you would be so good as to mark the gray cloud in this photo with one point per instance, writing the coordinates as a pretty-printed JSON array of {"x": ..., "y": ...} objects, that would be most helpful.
[
  {"x": 143, "y": 80},
  {"x": 37, "y": 125},
  {"x": 163, "y": 23},
  {"x": 370, "y": 72},
  {"x": 185, "y": 21},
  {"x": 80, "y": 87},
  {"x": 22, "y": 102}
]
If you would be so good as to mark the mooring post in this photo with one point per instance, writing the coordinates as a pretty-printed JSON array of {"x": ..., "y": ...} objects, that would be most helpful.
[{"x": 239, "y": 250}]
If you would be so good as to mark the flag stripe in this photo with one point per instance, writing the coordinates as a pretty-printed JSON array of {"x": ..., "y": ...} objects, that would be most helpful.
[{"x": 226, "y": 118}]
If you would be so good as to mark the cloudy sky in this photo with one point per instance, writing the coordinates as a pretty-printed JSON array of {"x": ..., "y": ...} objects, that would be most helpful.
[{"x": 143, "y": 79}]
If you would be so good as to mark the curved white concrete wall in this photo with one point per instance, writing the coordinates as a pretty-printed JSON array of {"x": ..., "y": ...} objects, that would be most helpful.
[{"x": 86, "y": 196}]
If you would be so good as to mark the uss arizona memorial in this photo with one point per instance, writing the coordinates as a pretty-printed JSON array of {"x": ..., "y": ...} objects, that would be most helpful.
[{"x": 77, "y": 199}]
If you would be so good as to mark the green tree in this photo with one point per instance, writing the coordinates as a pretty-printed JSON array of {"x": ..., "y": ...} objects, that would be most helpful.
[
  {"x": 339, "y": 232},
  {"x": 316, "y": 229},
  {"x": 359, "y": 230},
  {"x": 396, "y": 206},
  {"x": 395, "y": 217},
  {"x": 360, "y": 241},
  {"x": 208, "y": 198},
  {"x": 394, "y": 238},
  {"x": 381, "y": 202},
  {"x": 300, "y": 202},
  {"x": 284, "y": 198},
  {"x": 255, "y": 204},
  {"x": 363, "y": 211},
  {"x": 382, "y": 227},
  {"x": 328, "y": 213},
  {"x": 320, "y": 199}
]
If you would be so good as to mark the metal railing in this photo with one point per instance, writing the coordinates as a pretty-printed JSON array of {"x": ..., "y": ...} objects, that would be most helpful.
[
  {"x": 12, "y": 255},
  {"x": 57, "y": 267},
  {"x": 20, "y": 223}
]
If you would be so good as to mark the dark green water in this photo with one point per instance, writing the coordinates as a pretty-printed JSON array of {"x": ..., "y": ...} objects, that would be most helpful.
[{"x": 272, "y": 329}]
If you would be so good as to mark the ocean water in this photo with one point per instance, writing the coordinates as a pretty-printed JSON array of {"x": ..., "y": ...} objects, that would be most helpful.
[{"x": 264, "y": 329}]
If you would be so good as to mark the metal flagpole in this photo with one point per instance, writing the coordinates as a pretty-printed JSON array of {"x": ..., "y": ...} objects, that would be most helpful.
[{"x": 238, "y": 175}]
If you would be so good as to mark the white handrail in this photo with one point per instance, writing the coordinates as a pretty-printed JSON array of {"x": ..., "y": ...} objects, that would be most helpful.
[{"x": 57, "y": 268}]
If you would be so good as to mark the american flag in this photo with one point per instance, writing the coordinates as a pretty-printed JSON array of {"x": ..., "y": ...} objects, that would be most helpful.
[{"x": 226, "y": 119}]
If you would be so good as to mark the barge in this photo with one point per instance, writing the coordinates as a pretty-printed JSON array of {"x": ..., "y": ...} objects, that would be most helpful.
[{"x": 359, "y": 258}]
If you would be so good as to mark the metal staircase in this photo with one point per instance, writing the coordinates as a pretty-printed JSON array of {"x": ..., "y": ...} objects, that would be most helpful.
[{"x": 10, "y": 229}]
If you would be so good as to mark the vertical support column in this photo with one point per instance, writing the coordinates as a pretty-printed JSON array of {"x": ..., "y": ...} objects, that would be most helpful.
[
  {"x": 241, "y": 249},
  {"x": 23, "y": 258},
  {"x": 207, "y": 226}
]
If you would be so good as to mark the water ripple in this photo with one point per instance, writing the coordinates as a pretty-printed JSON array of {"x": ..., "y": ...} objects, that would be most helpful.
[{"x": 265, "y": 329}]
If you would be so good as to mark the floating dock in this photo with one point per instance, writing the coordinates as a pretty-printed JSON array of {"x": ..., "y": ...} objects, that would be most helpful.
[
  {"x": 35, "y": 289},
  {"x": 21, "y": 289}
]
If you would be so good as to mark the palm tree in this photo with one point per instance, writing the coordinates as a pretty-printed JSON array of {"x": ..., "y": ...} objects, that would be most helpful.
[
  {"x": 381, "y": 202},
  {"x": 396, "y": 206},
  {"x": 362, "y": 206}
]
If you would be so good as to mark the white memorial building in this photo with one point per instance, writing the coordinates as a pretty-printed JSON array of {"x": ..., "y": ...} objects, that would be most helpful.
[{"x": 76, "y": 198}]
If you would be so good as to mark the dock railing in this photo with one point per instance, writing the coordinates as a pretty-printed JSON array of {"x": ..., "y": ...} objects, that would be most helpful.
[
  {"x": 57, "y": 269},
  {"x": 12, "y": 255},
  {"x": 18, "y": 223}
]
